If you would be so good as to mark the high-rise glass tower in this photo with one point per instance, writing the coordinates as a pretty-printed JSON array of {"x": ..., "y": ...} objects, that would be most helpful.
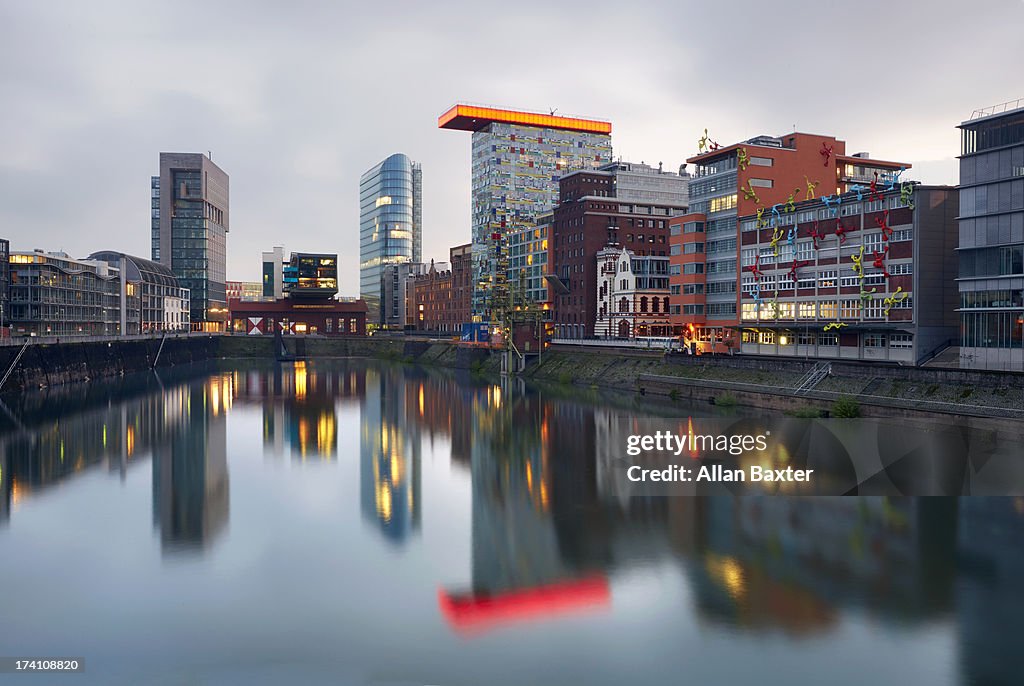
[
  {"x": 991, "y": 245},
  {"x": 518, "y": 158},
  {"x": 390, "y": 231},
  {"x": 189, "y": 232}
]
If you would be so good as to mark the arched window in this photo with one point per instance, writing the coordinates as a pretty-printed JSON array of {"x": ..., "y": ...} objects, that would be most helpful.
[
  {"x": 643, "y": 304},
  {"x": 624, "y": 305},
  {"x": 664, "y": 304},
  {"x": 654, "y": 305}
]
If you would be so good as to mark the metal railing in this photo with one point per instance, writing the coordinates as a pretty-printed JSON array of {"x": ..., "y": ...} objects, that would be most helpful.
[
  {"x": 998, "y": 109},
  {"x": 813, "y": 377},
  {"x": 51, "y": 340}
]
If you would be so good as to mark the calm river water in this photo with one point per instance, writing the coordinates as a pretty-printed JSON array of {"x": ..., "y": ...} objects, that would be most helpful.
[{"x": 367, "y": 524}]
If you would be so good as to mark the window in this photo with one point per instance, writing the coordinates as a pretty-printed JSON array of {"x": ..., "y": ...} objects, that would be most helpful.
[
  {"x": 749, "y": 311},
  {"x": 807, "y": 216},
  {"x": 695, "y": 268},
  {"x": 693, "y": 289},
  {"x": 693, "y": 309},
  {"x": 748, "y": 225},
  {"x": 873, "y": 242},
  {"x": 674, "y": 270},
  {"x": 767, "y": 255},
  {"x": 766, "y": 337},
  {"x": 873, "y": 206},
  {"x": 692, "y": 248},
  {"x": 902, "y": 268},
  {"x": 761, "y": 183},
  {"x": 804, "y": 250},
  {"x": 726, "y": 202},
  {"x": 901, "y": 340},
  {"x": 747, "y": 256},
  {"x": 805, "y": 281},
  {"x": 827, "y": 279},
  {"x": 874, "y": 340},
  {"x": 902, "y": 235},
  {"x": 828, "y": 309},
  {"x": 828, "y": 339},
  {"x": 805, "y": 338},
  {"x": 676, "y": 249},
  {"x": 874, "y": 309},
  {"x": 762, "y": 161},
  {"x": 850, "y": 209},
  {"x": 675, "y": 230},
  {"x": 806, "y": 310},
  {"x": 850, "y": 309},
  {"x": 693, "y": 227}
]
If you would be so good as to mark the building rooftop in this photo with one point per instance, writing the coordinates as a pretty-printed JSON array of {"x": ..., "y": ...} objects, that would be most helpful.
[{"x": 463, "y": 117}]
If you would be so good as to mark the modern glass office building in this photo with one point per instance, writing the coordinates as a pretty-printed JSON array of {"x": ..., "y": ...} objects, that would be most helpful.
[
  {"x": 189, "y": 232},
  {"x": 991, "y": 244},
  {"x": 390, "y": 231}
]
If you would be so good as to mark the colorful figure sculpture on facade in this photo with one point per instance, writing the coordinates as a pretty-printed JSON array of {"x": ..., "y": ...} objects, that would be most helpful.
[
  {"x": 743, "y": 160},
  {"x": 834, "y": 325},
  {"x": 907, "y": 194},
  {"x": 883, "y": 224},
  {"x": 762, "y": 223},
  {"x": 790, "y": 201},
  {"x": 749, "y": 193},
  {"x": 879, "y": 261},
  {"x": 841, "y": 231},
  {"x": 826, "y": 153},
  {"x": 811, "y": 186},
  {"x": 832, "y": 203},
  {"x": 899, "y": 296},
  {"x": 816, "y": 235},
  {"x": 858, "y": 265}
]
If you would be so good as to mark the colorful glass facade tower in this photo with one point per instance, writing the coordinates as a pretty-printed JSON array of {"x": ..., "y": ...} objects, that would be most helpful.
[{"x": 518, "y": 158}]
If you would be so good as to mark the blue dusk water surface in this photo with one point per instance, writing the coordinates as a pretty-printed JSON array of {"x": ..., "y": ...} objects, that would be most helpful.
[{"x": 370, "y": 524}]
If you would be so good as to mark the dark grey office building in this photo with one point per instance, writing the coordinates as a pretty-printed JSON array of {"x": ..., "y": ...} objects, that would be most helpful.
[
  {"x": 390, "y": 211},
  {"x": 190, "y": 222},
  {"x": 991, "y": 245}
]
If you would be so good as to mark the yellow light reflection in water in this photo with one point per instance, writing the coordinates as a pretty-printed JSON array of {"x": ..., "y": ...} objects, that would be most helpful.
[
  {"x": 325, "y": 433},
  {"x": 421, "y": 400},
  {"x": 300, "y": 380},
  {"x": 129, "y": 441},
  {"x": 727, "y": 572}
]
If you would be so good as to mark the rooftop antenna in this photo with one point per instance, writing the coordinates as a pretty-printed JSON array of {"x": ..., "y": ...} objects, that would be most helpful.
[{"x": 553, "y": 110}]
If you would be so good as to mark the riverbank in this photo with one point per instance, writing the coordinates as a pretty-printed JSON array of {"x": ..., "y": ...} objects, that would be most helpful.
[
  {"x": 43, "y": 364},
  {"x": 771, "y": 384},
  {"x": 878, "y": 390}
]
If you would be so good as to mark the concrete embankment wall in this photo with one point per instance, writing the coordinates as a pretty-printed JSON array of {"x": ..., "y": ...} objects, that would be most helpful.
[
  {"x": 53, "y": 364},
  {"x": 770, "y": 384}
]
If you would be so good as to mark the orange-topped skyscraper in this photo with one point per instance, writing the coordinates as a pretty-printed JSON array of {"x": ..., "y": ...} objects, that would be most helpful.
[{"x": 518, "y": 157}]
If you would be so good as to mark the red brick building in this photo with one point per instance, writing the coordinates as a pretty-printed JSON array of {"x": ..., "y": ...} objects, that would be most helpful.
[
  {"x": 763, "y": 177},
  {"x": 596, "y": 209},
  {"x": 440, "y": 300},
  {"x": 325, "y": 317}
]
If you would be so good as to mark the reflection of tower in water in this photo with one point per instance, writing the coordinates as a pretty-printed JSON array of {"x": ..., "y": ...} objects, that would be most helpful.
[
  {"x": 190, "y": 471},
  {"x": 299, "y": 405},
  {"x": 390, "y": 455}
]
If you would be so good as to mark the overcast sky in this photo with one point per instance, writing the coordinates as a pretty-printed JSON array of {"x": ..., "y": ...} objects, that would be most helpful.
[{"x": 297, "y": 99}]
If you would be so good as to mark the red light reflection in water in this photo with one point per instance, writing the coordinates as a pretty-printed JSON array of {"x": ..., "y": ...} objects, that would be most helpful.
[{"x": 473, "y": 614}]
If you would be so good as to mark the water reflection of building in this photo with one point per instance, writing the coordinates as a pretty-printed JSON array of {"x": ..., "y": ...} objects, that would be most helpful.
[
  {"x": 67, "y": 431},
  {"x": 190, "y": 471},
  {"x": 990, "y": 595},
  {"x": 390, "y": 454},
  {"x": 300, "y": 402}
]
